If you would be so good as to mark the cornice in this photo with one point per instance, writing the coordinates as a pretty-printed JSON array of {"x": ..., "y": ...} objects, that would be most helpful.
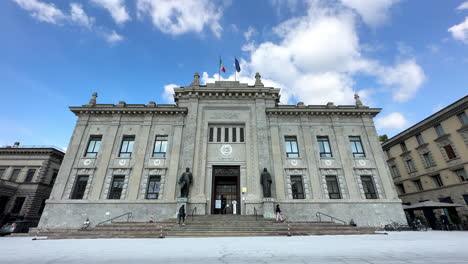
[
  {"x": 322, "y": 110},
  {"x": 29, "y": 151},
  {"x": 107, "y": 109},
  {"x": 232, "y": 91}
]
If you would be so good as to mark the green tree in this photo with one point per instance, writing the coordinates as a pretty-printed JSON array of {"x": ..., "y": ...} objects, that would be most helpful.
[{"x": 383, "y": 138}]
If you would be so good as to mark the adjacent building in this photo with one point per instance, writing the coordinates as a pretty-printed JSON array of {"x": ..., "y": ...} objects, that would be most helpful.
[
  {"x": 129, "y": 157},
  {"x": 27, "y": 174},
  {"x": 429, "y": 161}
]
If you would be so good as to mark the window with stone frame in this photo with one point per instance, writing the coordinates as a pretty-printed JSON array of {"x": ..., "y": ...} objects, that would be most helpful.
[
  {"x": 461, "y": 173},
  {"x": 226, "y": 134},
  {"x": 394, "y": 171},
  {"x": 126, "y": 148},
  {"x": 154, "y": 183},
  {"x": 437, "y": 180},
  {"x": 428, "y": 159},
  {"x": 333, "y": 187},
  {"x": 410, "y": 165},
  {"x": 449, "y": 151},
  {"x": 463, "y": 118},
  {"x": 324, "y": 147},
  {"x": 465, "y": 197},
  {"x": 18, "y": 205},
  {"x": 368, "y": 187},
  {"x": 401, "y": 188},
  {"x": 93, "y": 146},
  {"x": 403, "y": 147},
  {"x": 297, "y": 187},
  {"x": 116, "y": 187},
  {"x": 54, "y": 177},
  {"x": 356, "y": 147},
  {"x": 292, "y": 150},
  {"x": 439, "y": 129},
  {"x": 420, "y": 139},
  {"x": 160, "y": 146},
  {"x": 30, "y": 175},
  {"x": 3, "y": 203},
  {"x": 2, "y": 171},
  {"x": 218, "y": 134},
  {"x": 418, "y": 185},
  {"x": 80, "y": 187},
  {"x": 14, "y": 175},
  {"x": 211, "y": 134}
]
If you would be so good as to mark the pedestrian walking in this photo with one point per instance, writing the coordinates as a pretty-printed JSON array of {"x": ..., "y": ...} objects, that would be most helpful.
[
  {"x": 181, "y": 215},
  {"x": 279, "y": 216}
]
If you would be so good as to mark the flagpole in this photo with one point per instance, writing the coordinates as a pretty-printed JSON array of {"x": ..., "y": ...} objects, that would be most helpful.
[{"x": 219, "y": 69}]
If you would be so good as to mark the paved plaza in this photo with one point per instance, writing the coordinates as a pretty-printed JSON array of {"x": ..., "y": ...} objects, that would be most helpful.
[{"x": 397, "y": 247}]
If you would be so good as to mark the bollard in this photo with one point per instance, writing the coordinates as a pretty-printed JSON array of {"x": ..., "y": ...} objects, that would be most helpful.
[
  {"x": 289, "y": 230},
  {"x": 161, "y": 235}
]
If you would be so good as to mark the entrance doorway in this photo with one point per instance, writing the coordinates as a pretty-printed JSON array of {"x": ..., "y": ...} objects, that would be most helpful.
[{"x": 225, "y": 191}]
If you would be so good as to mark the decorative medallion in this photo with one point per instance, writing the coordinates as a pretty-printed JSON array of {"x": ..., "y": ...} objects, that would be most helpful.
[
  {"x": 226, "y": 150},
  {"x": 122, "y": 162},
  {"x": 362, "y": 162},
  {"x": 157, "y": 162},
  {"x": 328, "y": 162},
  {"x": 294, "y": 162},
  {"x": 87, "y": 162}
]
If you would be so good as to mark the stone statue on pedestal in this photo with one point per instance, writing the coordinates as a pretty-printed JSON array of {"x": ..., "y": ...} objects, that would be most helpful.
[
  {"x": 265, "y": 180},
  {"x": 184, "y": 181}
]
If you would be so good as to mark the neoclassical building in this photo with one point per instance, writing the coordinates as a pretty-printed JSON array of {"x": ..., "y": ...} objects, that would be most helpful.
[{"x": 128, "y": 158}]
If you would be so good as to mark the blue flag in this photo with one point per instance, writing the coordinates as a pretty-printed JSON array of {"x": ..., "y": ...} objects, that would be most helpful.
[{"x": 237, "y": 64}]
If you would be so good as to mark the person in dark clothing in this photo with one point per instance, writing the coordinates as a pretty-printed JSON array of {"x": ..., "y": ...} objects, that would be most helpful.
[
  {"x": 445, "y": 222},
  {"x": 181, "y": 215},
  {"x": 279, "y": 216}
]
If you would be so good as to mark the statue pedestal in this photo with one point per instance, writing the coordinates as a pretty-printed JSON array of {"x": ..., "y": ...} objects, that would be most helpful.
[
  {"x": 268, "y": 208},
  {"x": 182, "y": 201}
]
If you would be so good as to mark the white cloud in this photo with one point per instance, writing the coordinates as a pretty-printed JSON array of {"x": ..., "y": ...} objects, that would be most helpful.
[
  {"x": 282, "y": 4},
  {"x": 44, "y": 12},
  {"x": 116, "y": 8},
  {"x": 249, "y": 33},
  {"x": 168, "y": 95},
  {"x": 392, "y": 121},
  {"x": 78, "y": 16},
  {"x": 463, "y": 6},
  {"x": 112, "y": 37},
  {"x": 460, "y": 31},
  {"x": 177, "y": 17},
  {"x": 373, "y": 12}
]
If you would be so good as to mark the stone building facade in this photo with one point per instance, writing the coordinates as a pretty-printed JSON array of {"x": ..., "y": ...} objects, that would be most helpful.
[
  {"x": 128, "y": 158},
  {"x": 429, "y": 161},
  {"x": 27, "y": 174}
]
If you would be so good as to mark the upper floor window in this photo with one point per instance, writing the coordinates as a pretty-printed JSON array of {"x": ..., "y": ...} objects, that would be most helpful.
[
  {"x": 14, "y": 174},
  {"x": 2, "y": 171},
  {"x": 333, "y": 188},
  {"x": 30, "y": 175},
  {"x": 116, "y": 187},
  {"x": 18, "y": 205},
  {"x": 403, "y": 147},
  {"x": 324, "y": 146},
  {"x": 160, "y": 147},
  {"x": 449, "y": 151},
  {"x": 211, "y": 135},
  {"x": 93, "y": 146},
  {"x": 463, "y": 118},
  {"x": 439, "y": 129},
  {"x": 234, "y": 134},
  {"x": 218, "y": 135},
  {"x": 226, "y": 133},
  {"x": 401, "y": 188},
  {"x": 368, "y": 187},
  {"x": 461, "y": 174},
  {"x": 418, "y": 184},
  {"x": 54, "y": 177},
  {"x": 127, "y": 146},
  {"x": 410, "y": 164},
  {"x": 296, "y": 187},
  {"x": 241, "y": 134},
  {"x": 153, "y": 187},
  {"x": 394, "y": 171},
  {"x": 428, "y": 159},
  {"x": 291, "y": 147},
  {"x": 389, "y": 156},
  {"x": 437, "y": 180},
  {"x": 420, "y": 139},
  {"x": 80, "y": 187},
  {"x": 356, "y": 147}
]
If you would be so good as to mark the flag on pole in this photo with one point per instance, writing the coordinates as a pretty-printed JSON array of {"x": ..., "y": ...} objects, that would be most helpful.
[
  {"x": 221, "y": 66},
  {"x": 238, "y": 69}
]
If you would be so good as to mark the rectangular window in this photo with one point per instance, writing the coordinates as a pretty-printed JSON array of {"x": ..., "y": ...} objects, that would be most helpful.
[
  {"x": 463, "y": 118},
  {"x": 461, "y": 174},
  {"x": 234, "y": 134},
  {"x": 332, "y": 186},
  {"x": 127, "y": 146},
  {"x": 3, "y": 202},
  {"x": 465, "y": 197},
  {"x": 241, "y": 134},
  {"x": 14, "y": 175},
  {"x": 18, "y": 205},
  {"x": 324, "y": 147},
  {"x": 388, "y": 154},
  {"x": 218, "y": 134},
  {"x": 394, "y": 170},
  {"x": 80, "y": 187},
  {"x": 439, "y": 129},
  {"x": 368, "y": 186},
  {"x": 210, "y": 138},
  {"x": 296, "y": 187},
  {"x": 401, "y": 188},
  {"x": 226, "y": 134},
  {"x": 356, "y": 147},
  {"x": 30, "y": 175},
  {"x": 93, "y": 146},
  {"x": 437, "y": 180},
  {"x": 2, "y": 171},
  {"x": 291, "y": 147},
  {"x": 418, "y": 184},
  {"x": 116, "y": 187},
  {"x": 410, "y": 164},
  {"x": 428, "y": 159},
  {"x": 160, "y": 146},
  {"x": 403, "y": 147},
  {"x": 449, "y": 151},
  {"x": 153, "y": 187},
  {"x": 420, "y": 139},
  {"x": 54, "y": 177}
]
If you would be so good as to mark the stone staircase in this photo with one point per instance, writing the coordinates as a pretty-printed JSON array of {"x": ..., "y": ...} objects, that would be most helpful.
[{"x": 207, "y": 226}]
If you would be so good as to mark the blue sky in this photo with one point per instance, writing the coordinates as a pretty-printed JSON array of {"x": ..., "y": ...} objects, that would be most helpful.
[{"x": 408, "y": 57}]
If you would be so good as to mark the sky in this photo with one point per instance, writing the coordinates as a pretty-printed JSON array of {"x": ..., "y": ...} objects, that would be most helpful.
[{"x": 408, "y": 57}]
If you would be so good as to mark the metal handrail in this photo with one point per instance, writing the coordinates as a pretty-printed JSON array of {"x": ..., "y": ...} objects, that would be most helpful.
[
  {"x": 255, "y": 213},
  {"x": 194, "y": 211},
  {"x": 331, "y": 217},
  {"x": 129, "y": 215}
]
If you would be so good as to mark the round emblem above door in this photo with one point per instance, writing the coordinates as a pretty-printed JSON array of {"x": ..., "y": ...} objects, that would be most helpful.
[
  {"x": 226, "y": 150},
  {"x": 122, "y": 162}
]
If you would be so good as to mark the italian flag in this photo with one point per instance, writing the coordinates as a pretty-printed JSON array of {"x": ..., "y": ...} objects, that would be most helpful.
[{"x": 221, "y": 66}]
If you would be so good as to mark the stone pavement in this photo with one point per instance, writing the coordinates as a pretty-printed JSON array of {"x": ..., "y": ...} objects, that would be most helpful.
[{"x": 397, "y": 247}]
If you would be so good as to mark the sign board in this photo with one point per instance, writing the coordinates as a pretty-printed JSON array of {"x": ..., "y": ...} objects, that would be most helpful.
[
  {"x": 234, "y": 207},
  {"x": 244, "y": 189},
  {"x": 218, "y": 204}
]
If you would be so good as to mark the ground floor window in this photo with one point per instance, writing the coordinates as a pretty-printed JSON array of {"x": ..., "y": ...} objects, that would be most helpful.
[
  {"x": 18, "y": 205},
  {"x": 3, "y": 202},
  {"x": 153, "y": 187},
  {"x": 296, "y": 187},
  {"x": 332, "y": 186},
  {"x": 80, "y": 187},
  {"x": 368, "y": 186},
  {"x": 116, "y": 187}
]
